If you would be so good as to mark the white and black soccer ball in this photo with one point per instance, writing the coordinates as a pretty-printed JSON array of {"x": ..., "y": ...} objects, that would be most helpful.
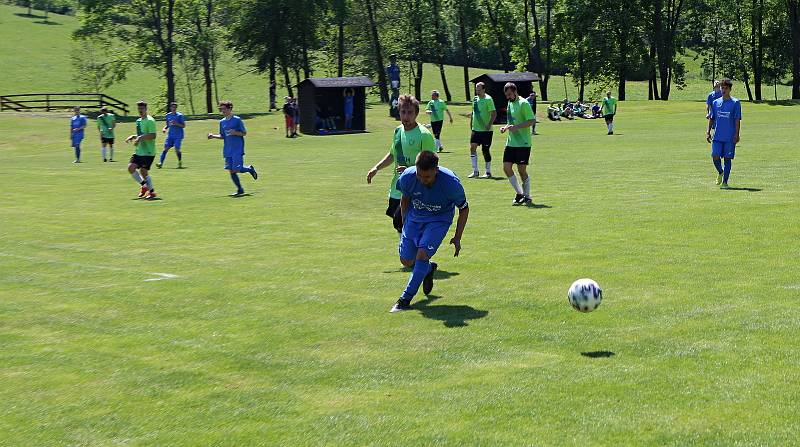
[{"x": 585, "y": 295}]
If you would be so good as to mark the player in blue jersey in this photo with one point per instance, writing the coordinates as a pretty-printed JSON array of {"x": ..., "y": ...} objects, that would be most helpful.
[
  {"x": 724, "y": 119},
  {"x": 174, "y": 129},
  {"x": 430, "y": 196},
  {"x": 716, "y": 93},
  {"x": 77, "y": 124},
  {"x": 232, "y": 133}
]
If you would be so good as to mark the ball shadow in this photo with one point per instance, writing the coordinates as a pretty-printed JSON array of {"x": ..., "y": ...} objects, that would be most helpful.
[{"x": 598, "y": 354}]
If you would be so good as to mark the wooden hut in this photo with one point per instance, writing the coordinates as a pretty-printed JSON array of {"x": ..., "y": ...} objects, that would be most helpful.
[{"x": 321, "y": 102}]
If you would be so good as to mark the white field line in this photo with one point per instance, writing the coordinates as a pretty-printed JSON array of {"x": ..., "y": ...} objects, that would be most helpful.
[{"x": 161, "y": 276}]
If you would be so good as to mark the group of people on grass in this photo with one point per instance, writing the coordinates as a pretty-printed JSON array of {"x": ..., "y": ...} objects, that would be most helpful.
[{"x": 325, "y": 119}]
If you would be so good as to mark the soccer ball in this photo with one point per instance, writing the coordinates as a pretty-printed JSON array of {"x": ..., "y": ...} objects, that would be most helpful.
[{"x": 585, "y": 295}]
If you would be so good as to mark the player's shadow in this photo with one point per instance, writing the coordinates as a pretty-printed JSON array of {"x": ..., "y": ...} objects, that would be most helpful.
[
  {"x": 742, "y": 189},
  {"x": 598, "y": 354},
  {"x": 439, "y": 275},
  {"x": 49, "y": 22},
  {"x": 450, "y": 315},
  {"x": 238, "y": 196},
  {"x": 537, "y": 206}
]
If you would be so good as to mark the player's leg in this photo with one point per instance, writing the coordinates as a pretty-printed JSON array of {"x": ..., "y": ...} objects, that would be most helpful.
[
  {"x": 111, "y": 149},
  {"x": 436, "y": 127},
  {"x": 76, "y": 145},
  {"x": 522, "y": 167},
  {"x": 728, "y": 154},
  {"x": 231, "y": 165},
  {"x": 103, "y": 149},
  {"x": 473, "y": 155},
  {"x": 167, "y": 144},
  {"x": 508, "y": 170},
  {"x": 177, "y": 144},
  {"x": 717, "y": 148},
  {"x": 407, "y": 249},
  {"x": 145, "y": 173},
  {"x": 487, "y": 157}
]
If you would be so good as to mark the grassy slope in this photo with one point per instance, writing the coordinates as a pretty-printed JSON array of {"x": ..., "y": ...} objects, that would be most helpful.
[
  {"x": 276, "y": 331},
  {"x": 45, "y": 65}
]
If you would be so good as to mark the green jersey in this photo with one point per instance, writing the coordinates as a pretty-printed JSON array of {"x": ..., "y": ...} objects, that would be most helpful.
[
  {"x": 482, "y": 109},
  {"x": 406, "y": 145},
  {"x": 609, "y": 106},
  {"x": 146, "y": 126},
  {"x": 437, "y": 108},
  {"x": 519, "y": 111},
  {"x": 106, "y": 125}
]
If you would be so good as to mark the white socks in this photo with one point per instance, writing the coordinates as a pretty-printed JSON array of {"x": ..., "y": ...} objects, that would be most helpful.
[
  {"x": 488, "y": 167},
  {"x": 438, "y": 144},
  {"x": 103, "y": 151},
  {"x": 136, "y": 177},
  {"x": 515, "y": 183},
  {"x": 149, "y": 183},
  {"x": 526, "y": 187},
  {"x": 474, "y": 159},
  {"x": 111, "y": 153}
]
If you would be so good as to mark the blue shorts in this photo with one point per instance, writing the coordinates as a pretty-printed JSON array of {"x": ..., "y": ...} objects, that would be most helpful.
[
  {"x": 723, "y": 149},
  {"x": 173, "y": 142},
  {"x": 416, "y": 235},
  {"x": 234, "y": 163},
  {"x": 76, "y": 142}
]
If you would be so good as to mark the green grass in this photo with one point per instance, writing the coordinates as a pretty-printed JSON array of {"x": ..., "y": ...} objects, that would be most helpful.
[
  {"x": 46, "y": 68},
  {"x": 276, "y": 330}
]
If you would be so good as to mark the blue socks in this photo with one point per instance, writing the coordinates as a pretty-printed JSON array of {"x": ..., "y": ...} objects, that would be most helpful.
[
  {"x": 246, "y": 170},
  {"x": 77, "y": 152},
  {"x": 421, "y": 269},
  {"x": 235, "y": 178},
  {"x": 163, "y": 156},
  {"x": 727, "y": 172},
  {"x": 178, "y": 153},
  {"x": 718, "y": 165}
]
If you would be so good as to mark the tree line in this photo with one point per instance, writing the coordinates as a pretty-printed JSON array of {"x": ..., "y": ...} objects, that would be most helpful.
[{"x": 599, "y": 42}]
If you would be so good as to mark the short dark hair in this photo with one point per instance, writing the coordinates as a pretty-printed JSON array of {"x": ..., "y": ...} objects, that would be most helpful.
[
  {"x": 405, "y": 100},
  {"x": 141, "y": 103},
  {"x": 427, "y": 160},
  {"x": 509, "y": 85},
  {"x": 104, "y": 109},
  {"x": 173, "y": 104},
  {"x": 227, "y": 104},
  {"x": 726, "y": 81}
]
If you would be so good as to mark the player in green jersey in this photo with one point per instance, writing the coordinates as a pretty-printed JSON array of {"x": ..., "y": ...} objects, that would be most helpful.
[
  {"x": 106, "y": 124},
  {"x": 482, "y": 118},
  {"x": 436, "y": 108},
  {"x": 142, "y": 158},
  {"x": 518, "y": 145},
  {"x": 609, "y": 109},
  {"x": 410, "y": 138}
]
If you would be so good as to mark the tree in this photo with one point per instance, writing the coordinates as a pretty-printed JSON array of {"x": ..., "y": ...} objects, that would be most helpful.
[
  {"x": 198, "y": 40},
  {"x": 146, "y": 27},
  {"x": 793, "y": 9}
]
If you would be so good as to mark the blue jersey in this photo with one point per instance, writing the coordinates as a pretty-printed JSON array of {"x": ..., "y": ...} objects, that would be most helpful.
[
  {"x": 394, "y": 72},
  {"x": 725, "y": 114},
  {"x": 436, "y": 203},
  {"x": 76, "y": 122},
  {"x": 713, "y": 96},
  {"x": 175, "y": 132},
  {"x": 232, "y": 145},
  {"x": 348, "y": 106}
]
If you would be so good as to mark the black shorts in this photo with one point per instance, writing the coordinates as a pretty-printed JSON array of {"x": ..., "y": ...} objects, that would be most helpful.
[
  {"x": 517, "y": 155},
  {"x": 142, "y": 161},
  {"x": 393, "y": 211},
  {"x": 436, "y": 127},
  {"x": 105, "y": 140},
  {"x": 483, "y": 138},
  {"x": 609, "y": 118}
]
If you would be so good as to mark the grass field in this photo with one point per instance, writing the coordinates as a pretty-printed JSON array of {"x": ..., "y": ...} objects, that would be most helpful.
[
  {"x": 275, "y": 330},
  {"x": 46, "y": 66}
]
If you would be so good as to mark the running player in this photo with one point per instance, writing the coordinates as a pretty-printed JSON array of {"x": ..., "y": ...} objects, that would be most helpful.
[
  {"x": 518, "y": 146},
  {"x": 175, "y": 123},
  {"x": 430, "y": 196},
  {"x": 106, "y": 124},
  {"x": 436, "y": 108},
  {"x": 142, "y": 158},
  {"x": 482, "y": 118},
  {"x": 232, "y": 133},
  {"x": 409, "y": 140}
]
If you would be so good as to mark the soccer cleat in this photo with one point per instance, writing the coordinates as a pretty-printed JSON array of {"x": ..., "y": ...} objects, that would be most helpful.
[
  {"x": 180, "y": 165},
  {"x": 151, "y": 196},
  {"x": 237, "y": 194},
  {"x": 401, "y": 305},
  {"x": 474, "y": 174},
  {"x": 719, "y": 178},
  {"x": 253, "y": 172},
  {"x": 724, "y": 186},
  {"x": 105, "y": 160},
  {"x": 427, "y": 283},
  {"x": 143, "y": 191},
  {"x": 527, "y": 201},
  {"x": 76, "y": 161},
  {"x": 519, "y": 199},
  {"x": 610, "y": 132},
  {"x": 158, "y": 165},
  {"x": 487, "y": 175}
]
